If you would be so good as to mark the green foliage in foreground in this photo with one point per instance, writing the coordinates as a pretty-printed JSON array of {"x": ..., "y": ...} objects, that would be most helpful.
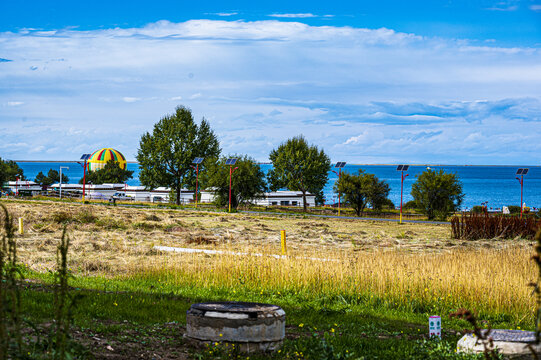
[
  {"x": 111, "y": 173},
  {"x": 437, "y": 194},
  {"x": 247, "y": 181},
  {"x": 319, "y": 327}
]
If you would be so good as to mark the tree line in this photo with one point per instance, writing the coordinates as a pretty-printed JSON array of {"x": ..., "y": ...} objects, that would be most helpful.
[{"x": 166, "y": 156}]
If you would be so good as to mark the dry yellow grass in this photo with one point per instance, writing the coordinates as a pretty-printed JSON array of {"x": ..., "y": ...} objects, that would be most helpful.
[{"x": 414, "y": 266}]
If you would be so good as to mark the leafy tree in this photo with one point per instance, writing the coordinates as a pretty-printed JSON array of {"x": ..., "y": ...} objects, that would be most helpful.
[
  {"x": 247, "y": 183},
  {"x": 166, "y": 155},
  {"x": 301, "y": 167},
  {"x": 52, "y": 177},
  {"x": 111, "y": 173},
  {"x": 9, "y": 171},
  {"x": 437, "y": 194},
  {"x": 361, "y": 190}
]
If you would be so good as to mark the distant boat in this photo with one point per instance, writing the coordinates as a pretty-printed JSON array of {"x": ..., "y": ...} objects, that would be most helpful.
[{"x": 428, "y": 168}]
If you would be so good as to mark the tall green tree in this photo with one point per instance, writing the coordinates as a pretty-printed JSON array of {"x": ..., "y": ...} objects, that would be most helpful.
[
  {"x": 165, "y": 156},
  {"x": 362, "y": 189},
  {"x": 437, "y": 193},
  {"x": 52, "y": 177},
  {"x": 111, "y": 173},
  {"x": 298, "y": 166},
  {"x": 247, "y": 182},
  {"x": 9, "y": 171}
]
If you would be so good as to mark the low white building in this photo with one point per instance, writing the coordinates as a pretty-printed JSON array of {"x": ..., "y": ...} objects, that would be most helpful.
[
  {"x": 274, "y": 198},
  {"x": 27, "y": 186},
  {"x": 286, "y": 198}
]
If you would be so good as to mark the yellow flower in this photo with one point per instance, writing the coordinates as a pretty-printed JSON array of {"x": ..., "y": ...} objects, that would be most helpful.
[
  {"x": 115, "y": 304},
  {"x": 221, "y": 335},
  {"x": 332, "y": 330}
]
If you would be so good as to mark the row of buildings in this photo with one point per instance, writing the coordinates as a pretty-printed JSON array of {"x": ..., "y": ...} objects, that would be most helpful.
[{"x": 140, "y": 193}]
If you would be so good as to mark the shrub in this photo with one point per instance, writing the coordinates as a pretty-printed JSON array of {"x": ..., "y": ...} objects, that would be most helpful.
[
  {"x": 478, "y": 209},
  {"x": 514, "y": 209},
  {"x": 474, "y": 226},
  {"x": 410, "y": 205}
]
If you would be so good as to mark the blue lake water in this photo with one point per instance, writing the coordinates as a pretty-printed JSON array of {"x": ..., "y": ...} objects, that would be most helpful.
[{"x": 495, "y": 184}]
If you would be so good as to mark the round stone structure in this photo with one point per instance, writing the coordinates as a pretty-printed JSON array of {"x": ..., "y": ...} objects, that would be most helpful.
[{"x": 253, "y": 327}]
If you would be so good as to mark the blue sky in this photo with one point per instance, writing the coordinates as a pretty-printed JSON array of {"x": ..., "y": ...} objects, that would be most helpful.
[{"x": 454, "y": 82}]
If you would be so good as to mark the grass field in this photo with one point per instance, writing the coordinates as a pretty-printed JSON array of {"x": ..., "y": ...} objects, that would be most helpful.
[{"x": 349, "y": 288}]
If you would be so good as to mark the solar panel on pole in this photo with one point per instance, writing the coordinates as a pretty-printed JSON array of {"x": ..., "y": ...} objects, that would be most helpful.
[
  {"x": 405, "y": 168},
  {"x": 85, "y": 156},
  {"x": 519, "y": 171},
  {"x": 525, "y": 171},
  {"x": 231, "y": 161},
  {"x": 399, "y": 167},
  {"x": 340, "y": 164},
  {"x": 197, "y": 160}
]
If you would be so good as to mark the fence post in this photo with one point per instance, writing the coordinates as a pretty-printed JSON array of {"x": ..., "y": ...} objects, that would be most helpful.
[
  {"x": 21, "y": 228},
  {"x": 283, "y": 241}
]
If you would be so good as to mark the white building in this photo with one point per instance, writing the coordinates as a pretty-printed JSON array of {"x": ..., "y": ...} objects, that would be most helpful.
[{"x": 274, "y": 198}]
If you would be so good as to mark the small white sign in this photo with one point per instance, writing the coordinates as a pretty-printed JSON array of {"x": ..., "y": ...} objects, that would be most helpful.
[
  {"x": 505, "y": 210},
  {"x": 434, "y": 326}
]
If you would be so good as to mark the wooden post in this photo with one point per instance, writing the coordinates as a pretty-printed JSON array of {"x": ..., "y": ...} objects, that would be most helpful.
[
  {"x": 21, "y": 228},
  {"x": 283, "y": 241}
]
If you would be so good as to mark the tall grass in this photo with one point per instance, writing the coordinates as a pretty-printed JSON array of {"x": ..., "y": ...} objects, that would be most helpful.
[{"x": 491, "y": 282}]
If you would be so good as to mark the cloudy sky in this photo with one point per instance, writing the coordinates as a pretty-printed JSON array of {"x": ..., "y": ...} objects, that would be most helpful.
[{"x": 446, "y": 82}]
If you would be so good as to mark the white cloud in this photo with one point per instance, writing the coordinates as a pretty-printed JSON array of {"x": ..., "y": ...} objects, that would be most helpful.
[
  {"x": 14, "y": 103},
  {"x": 130, "y": 99},
  {"x": 364, "y": 95},
  {"x": 535, "y": 7},
  {"x": 298, "y": 15},
  {"x": 227, "y": 13}
]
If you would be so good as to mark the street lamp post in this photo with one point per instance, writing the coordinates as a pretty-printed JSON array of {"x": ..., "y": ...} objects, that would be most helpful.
[
  {"x": 339, "y": 166},
  {"x": 230, "y": 162},
  {"x": 62, "y": 167},
  {"x": 521, "y": 172},
  {"x": 402, "y": 168},
  {"x": 85, "y": 158},
  {"x": 17, "y": 184},
  {"x": 196, "y": 161}
]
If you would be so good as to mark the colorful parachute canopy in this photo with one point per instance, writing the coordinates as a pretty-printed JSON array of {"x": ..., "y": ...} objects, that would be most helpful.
[{"x": 99, "y": 158}]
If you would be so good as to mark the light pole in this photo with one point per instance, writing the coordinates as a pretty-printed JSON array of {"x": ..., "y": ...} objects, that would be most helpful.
[
  {"x": 62, "y": 167},
  {"x": 521, "y": 172},
  {"x": 85, "y": 158},
  {"x": 196, "y": 161},
  {"x": 339, "y": 166},
  {"x": 402, "y": 168},
  {"x": 17, "y": 184},
  {"x": 230, "y": 162}
]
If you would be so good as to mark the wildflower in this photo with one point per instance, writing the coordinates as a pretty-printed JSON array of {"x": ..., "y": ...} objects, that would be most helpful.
[
  {"x": 221, "y": 335},
  {"x": 301, "y": 325},
  {"x": 115, "y": 304},
  {"x": 426, "y": 289},
  {"x": 332, "y": 330}
]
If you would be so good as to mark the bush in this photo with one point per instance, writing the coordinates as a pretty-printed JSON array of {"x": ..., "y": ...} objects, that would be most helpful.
[
  {"x": 514, "y": 209},
  {"x": 410, "y": 205},
  {"x": 478, "y": 209},
  {"x": 438, "y": 194}
]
